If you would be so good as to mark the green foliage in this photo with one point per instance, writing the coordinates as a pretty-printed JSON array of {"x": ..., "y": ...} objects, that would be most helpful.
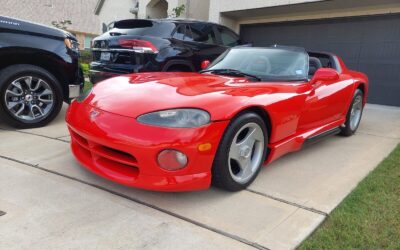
[
  {"x": 178, "y": 11},
  {"x": 85, "y": 69},
  {"x": 62, "y": 24},
  {"x": 85, "y": 56},
  {"x": 87, "y": 86},
  {"x": 369, "y": 217}
]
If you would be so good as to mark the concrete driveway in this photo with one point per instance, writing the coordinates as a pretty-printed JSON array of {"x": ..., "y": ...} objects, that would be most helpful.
[{"x": 52, "y": 202}]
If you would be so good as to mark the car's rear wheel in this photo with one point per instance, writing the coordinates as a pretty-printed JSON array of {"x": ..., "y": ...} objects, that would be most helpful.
[
  {"x": 29, "y": 96},
  {"x": 354, "y": 115},
  {"x": 241, "y": 153}
]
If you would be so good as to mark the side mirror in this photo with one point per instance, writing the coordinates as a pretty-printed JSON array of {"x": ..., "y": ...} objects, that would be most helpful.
[
  {"x": 325, "y": 74},
  {"x": 204, "y": 64}
]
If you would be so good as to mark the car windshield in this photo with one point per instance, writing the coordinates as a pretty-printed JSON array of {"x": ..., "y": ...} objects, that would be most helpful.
[
  {"x": 277, "y": 64},
  {"x": 143, "y": 28}
]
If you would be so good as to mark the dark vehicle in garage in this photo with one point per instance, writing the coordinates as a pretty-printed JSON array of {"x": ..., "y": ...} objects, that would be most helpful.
[
  {"x": 158, "y": 45},
  {"x": 39, "y": 70}
]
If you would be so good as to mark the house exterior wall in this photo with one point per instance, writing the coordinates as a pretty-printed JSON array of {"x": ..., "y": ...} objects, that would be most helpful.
[
  {"x": 220, "y": 10},
  {"x": 112, "y": 11},
  {"x": 195, "y": 9}
]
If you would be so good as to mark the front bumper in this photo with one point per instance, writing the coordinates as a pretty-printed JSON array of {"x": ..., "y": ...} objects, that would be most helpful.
[{"x": 120, "y": 149}]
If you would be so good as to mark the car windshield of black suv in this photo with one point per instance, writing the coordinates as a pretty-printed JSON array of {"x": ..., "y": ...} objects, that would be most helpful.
[{"x": 267, "y": 64}]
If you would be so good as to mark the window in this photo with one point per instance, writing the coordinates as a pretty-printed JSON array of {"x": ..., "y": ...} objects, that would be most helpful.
[
  {"x": 228, "y": 38},
  {"x": 88, "y": 40},
  {"x": 274, "y": 64},
  {"x": 180, "y": 32},
  {"x": 144, "y": 28},
  {"x": 203, "y": 33},
  {"x": 183, "y": 33}
]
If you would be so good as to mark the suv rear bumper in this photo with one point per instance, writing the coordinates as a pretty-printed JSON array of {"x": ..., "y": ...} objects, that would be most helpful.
[{"x": 102, "y": 70}]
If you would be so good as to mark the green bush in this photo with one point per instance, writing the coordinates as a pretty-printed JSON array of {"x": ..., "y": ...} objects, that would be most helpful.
[
  {"x": 85, "y": 69},
  {"x": 86, "y": 56}
]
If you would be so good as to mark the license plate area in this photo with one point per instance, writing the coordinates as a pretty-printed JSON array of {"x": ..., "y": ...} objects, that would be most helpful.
[{"x": 105, "y": 56}]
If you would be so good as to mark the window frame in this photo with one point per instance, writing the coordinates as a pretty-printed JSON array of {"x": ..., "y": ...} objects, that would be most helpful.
[{"x": 217, "y": 27}]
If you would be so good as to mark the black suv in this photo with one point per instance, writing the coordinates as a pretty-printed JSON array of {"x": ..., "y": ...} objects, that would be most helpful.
[
  {"x": 39, "y": 70},
  {"x": 139, "y": 45}
]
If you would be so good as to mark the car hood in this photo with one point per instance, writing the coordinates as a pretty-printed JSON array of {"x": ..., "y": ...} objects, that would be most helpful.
[
  {"x": 137, "y": 94},
  {"x": 34, "y": 28}
]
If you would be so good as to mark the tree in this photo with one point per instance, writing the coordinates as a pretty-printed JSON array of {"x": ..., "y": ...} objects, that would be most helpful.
[
  {"x": 62, "y": 24},
  {"x": 178, "y": 11}
]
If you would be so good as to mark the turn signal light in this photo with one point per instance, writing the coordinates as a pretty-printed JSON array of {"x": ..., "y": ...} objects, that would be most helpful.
[{"x": 141, "y": 46}]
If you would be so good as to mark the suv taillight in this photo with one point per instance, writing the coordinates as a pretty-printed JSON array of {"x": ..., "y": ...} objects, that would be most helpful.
[{"x": 141, "y": 46}]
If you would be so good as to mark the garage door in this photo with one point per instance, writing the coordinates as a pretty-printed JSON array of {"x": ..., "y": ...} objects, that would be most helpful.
[{"x": 368, "y": 44}]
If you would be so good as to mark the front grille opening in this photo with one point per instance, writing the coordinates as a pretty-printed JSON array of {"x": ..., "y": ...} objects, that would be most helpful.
[
  {"x": 119, "y": 153},
  {"x": 118, "y": 168},
  {"x": 79, "y": 138}
]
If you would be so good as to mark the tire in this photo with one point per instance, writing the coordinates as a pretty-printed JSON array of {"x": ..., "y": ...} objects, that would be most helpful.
[
  {"x": 353, "y": 121},
  {"x": 30, "y": 96},
  {"x": 228, "y": 171}
]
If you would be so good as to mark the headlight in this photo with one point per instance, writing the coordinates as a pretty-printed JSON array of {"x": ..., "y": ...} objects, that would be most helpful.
[
  {"x": 176, "y": 118},
  {"x": 71, "y": 44}
]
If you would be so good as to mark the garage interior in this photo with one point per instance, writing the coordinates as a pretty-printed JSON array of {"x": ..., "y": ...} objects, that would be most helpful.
[{"x": 366, "y": 34}]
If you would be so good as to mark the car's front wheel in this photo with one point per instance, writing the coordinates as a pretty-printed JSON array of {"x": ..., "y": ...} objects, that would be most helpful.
[
  {"x": 30, "y": 96},
  {"x": 241, "y": 153}
]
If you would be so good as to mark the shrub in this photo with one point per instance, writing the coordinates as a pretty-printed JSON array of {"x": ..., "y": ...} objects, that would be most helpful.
[{"x": 85, "y": 56}]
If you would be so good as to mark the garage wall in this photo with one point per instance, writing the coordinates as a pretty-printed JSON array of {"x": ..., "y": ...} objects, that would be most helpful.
[{"x": 370, "y": 44}]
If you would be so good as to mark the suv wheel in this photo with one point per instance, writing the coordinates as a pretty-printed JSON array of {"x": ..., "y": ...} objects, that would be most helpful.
[{"x": 30, "y": 96}]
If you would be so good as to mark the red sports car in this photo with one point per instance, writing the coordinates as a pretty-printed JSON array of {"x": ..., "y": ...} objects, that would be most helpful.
[{"x": 185, "y": 131}]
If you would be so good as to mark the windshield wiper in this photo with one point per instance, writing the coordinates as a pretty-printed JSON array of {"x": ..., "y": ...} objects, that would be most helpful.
[{"x": 231, "y": 72}]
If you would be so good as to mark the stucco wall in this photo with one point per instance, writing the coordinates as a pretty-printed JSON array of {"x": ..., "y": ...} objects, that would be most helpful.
[
  {"x": 143, "y": 11},
  {"x": 218, "y": 6},
  {"x": 116, "y": 10},
  {"x": 197, "y": 9},
  {"x": 291, "y": 10}
]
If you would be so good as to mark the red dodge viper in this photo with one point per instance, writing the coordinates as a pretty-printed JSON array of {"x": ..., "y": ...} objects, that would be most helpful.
[{"x": 185, "y": 131}]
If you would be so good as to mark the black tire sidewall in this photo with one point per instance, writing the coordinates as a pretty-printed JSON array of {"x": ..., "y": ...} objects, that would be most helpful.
[
  {"x": 221, "y": 176},
  {"x": 14, "y": 72}
]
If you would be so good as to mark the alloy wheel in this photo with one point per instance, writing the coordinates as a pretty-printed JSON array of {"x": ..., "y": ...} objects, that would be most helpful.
[
  {"x": 355, "y": 113},
  {"x": 246, "y": 152},
  {"x": 29, "y": 99}
]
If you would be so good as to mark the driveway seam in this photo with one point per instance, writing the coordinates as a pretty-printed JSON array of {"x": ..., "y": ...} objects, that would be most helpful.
[
  {"x": 310, "y": 209},
  {"x": 196, "y": 223},
  {"x": 44, "y": 136},
  {"x": 382, "y": 136}
]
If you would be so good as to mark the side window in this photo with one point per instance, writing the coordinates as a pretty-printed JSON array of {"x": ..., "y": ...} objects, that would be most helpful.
[
  {"x": 183, "y": 33},
  {"x": 180, "y": 32},
  {"x": 203, "y": 33},
  {"x": 228, "y": 38}
]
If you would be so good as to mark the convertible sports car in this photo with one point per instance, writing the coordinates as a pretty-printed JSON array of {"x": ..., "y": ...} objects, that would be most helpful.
[{"x": 184, "y": 131}]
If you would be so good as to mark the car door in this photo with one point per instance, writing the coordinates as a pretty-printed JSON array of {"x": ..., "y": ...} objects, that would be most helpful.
[
  {"x": 325, "y": 102},
  {"x": 201, "y": 38}
]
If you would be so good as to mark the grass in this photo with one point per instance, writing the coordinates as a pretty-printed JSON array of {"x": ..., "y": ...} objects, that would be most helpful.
[
  {"x": 88, "y": 85},
  {"x": 369, "y": 217}
]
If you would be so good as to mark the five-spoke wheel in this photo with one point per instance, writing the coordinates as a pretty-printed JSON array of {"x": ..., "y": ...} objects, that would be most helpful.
[{"x": 241, "y": 152}]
